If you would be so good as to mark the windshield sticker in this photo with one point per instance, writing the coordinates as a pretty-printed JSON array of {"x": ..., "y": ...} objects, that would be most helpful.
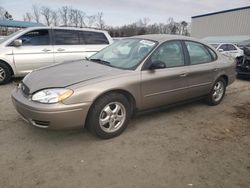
[{"x": 147, "y": 42}]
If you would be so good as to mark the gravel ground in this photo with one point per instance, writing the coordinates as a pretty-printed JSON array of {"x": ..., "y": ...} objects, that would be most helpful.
[{"x": 193, "y": 145}]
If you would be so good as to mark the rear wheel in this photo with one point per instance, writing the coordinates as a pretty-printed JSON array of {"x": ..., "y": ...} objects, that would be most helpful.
[
  {"x": 217, "y": 92},
  {"x": 5, "y": 73},
  {"x": 109, "y": 116}
]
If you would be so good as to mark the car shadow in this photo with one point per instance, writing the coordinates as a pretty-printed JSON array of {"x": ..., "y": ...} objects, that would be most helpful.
[
  {"x": 83, "y": 135},
  {"x": 243, "y": 78}
]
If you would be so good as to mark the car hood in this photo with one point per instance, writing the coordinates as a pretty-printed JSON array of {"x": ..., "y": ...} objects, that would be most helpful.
[{"x": 67, "y": 74}]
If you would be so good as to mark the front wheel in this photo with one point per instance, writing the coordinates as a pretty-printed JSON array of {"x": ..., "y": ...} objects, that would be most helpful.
[
  {"x": 217, "y": 92},
  {"x": 5, "y": 74},
  {"x": 109, "y": 116}
]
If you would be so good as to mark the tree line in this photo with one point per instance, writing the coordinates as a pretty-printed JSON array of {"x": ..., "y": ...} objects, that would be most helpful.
[
  {"x": 72, "y": 17},
  {"x": 143, "y": 27}
]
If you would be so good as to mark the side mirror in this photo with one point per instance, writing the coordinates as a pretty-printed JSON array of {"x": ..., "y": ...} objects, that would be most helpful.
[
  {"x": 17, "y": 42},
  {"x": 157, "y": 65},
  {"x": 220, "y": 50}
]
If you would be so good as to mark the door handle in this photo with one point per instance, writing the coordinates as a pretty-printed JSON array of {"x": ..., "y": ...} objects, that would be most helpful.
[
  {"x": 46, "y": 50},
  {"x": 183, "y": 74},
  {"x": 215, "y": 69},
  {"x": 60, "y": 49}
]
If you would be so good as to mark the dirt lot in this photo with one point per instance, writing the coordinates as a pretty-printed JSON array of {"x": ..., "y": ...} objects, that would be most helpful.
[{"x": 194, "y": 145}]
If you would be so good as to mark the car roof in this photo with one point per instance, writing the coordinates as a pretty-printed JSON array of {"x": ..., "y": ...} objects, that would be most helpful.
[
  {"x": 165, "y": 37},
  {"x": 219, "y": 43},
  {"x": 68, "y": 28}
]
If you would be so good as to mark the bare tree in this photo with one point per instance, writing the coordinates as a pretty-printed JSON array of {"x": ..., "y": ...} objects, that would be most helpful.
[
  {"x": 184, "y": 25},
  {"x": 55, "y": 18},
  {"x": 36, "y": 13},
  {"x": 173, "y": 26},
  {"x": 64, "y": 12},
  {"x": 99, "y": 20},
  {"x": 91, "y": 20},
  {"x": 142, "y": 27},
  {"x": 27, "y": 17},
  {"x": 74, "y": 17},
  {"x": 47, "y": 14},
  {"x": 82, "y": 16},
  {"x": 8, "y": 16},
  {"x": 143, "y": 22},
  {"x": 2, "y": 13}
]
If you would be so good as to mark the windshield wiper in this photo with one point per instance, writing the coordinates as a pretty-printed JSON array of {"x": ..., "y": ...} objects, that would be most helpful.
[{"x": 101, "y": 62}]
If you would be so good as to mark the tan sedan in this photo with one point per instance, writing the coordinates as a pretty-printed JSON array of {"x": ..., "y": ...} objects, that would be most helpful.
[{"x": 130, "y": 75}]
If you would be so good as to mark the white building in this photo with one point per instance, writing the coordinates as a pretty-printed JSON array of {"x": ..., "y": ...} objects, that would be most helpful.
[{"x": 233, "y": 22}]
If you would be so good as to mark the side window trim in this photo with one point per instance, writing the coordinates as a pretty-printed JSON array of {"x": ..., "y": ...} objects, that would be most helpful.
[
  {"x": 147, "y": 61},
  {"x": 211, "y": 50},
  {"x": 186, "y": 54}
]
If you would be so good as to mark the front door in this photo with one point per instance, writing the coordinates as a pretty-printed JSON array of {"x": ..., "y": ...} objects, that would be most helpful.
[
  {"x": 35, "y": 52},
  {"x": 167, "y": 85}
]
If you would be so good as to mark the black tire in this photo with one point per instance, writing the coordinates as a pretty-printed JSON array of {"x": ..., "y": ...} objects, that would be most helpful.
[
  {"x": 98, "y": 109},
  {"x": 211, "y": 99},
  {"x": 5, "y": 74}
]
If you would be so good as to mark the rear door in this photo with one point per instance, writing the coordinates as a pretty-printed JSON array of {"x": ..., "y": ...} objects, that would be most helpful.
[
  {"x": 93, "y": 41},
  {"x": 71, "y": 45},
  {"x": 36, "y": 51},
  {"x": 225, "y": 49},
  {"x": 202, "y": 68},
  {"x": 168, "y": 85},
  {"x": 67, "y": 46},
  {"x": 233, "y": 50}
]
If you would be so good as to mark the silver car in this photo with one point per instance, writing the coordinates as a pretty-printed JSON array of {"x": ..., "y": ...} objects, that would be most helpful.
[
  {"x": 130, "y": 75},
  {"x": 36, "y": 47}
]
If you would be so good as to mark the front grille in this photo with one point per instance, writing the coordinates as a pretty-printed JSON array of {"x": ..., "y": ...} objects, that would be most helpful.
[{"x": 25, "y": 89}]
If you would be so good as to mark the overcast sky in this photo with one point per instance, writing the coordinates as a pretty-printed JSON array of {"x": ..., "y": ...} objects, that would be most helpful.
[{"x": 119, "y": 12}]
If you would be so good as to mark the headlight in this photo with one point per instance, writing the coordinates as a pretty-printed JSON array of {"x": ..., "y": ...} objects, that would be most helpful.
[{"x": 50, "y": 96}]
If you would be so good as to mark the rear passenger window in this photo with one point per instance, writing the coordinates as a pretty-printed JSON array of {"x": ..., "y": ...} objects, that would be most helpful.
[
  {"x": 90, "y": 37},
  {"x": 66, "y": 37},
  {"x": 224, "y": 47},
  {"x": 231, "y": 47},
  {"x": 198, "y": 53}
]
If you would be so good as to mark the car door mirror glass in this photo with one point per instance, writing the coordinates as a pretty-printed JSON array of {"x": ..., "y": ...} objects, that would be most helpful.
[
  {"x": 157, "y": 65},
  {"x": 220, "y": 50},
  {"x": 17, "y": 42}
]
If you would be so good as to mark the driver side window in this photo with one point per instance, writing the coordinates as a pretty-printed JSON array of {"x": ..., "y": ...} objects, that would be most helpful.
[
  {"x": 170, "y": 53},
  {"x": 35, "y": 38}
]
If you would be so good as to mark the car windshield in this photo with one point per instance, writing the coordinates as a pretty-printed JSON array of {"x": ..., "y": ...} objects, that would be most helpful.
[
  {"x": 214, "y": 45},
  {"x": 124, "y": 54},
  {"x": 9, "y": 36}
]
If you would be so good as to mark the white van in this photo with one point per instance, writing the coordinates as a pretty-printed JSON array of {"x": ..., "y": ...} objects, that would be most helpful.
[{"x": 36, "y": 47}]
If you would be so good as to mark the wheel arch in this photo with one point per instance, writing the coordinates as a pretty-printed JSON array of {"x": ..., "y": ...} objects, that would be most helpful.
[
  {"x": 8, "y": 65},
  {"x": 125, "y": 93},
  {"x": 225, "y": 77}
]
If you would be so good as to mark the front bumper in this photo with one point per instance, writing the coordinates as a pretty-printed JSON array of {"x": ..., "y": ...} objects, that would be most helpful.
[{"x": 50, "y": 116}]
